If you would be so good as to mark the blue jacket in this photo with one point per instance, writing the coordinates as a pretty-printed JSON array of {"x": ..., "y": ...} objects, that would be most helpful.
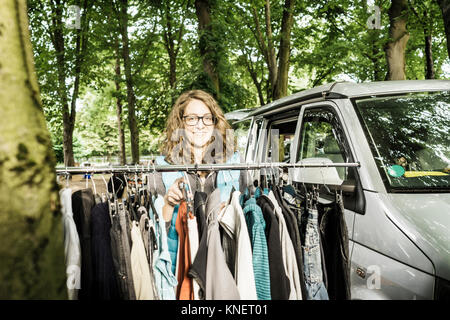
[{"x": 256, "y": 226}]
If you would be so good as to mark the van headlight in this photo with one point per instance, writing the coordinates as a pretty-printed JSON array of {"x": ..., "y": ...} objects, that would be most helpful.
[{"x": 442, "y": 291}]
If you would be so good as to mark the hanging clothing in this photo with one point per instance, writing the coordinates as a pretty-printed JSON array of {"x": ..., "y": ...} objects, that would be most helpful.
[
  {"x": 294, "y": 234},
  {"x": 335, "y": 240},
  {"x": 162, "y": 266},
  {"x": 72, "y": 249},
  {"x": 256, "y": 225},
  {"x": 149, "y": 239},
  {"x": 173, "y": 239},
  {"x": 193, "y": 248},
  {"x": 233, "y": 223},
  {"x": 288, "y": 252},
  {"x": 279, "y": 282},
  {"x": 185, "y": 288},
  {"x": 144, "y": 227},
  {"x": 82, "y": 203},
  {"x": 220, "y": 284},
  {"x": 312, "y": 259},
  {"x": 197, "y": 271},
  {"x": 105, "y": 284},
  {"x": 139, "y": 266},
  {"x": 121, "y": 252}
]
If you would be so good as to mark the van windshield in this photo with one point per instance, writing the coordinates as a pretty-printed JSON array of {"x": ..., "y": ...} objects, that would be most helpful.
[{"x": 410, "y": 139}]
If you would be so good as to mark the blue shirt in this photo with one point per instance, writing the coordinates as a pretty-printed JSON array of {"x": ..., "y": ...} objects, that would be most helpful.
[
  {"x": 164, "y": 277},
  {"x": 256, "y": 225}
]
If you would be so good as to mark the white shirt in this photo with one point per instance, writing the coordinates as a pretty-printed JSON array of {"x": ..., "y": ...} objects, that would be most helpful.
[
  {"x": 139, "y": 266},
  {"x": 232, "y": 219},
  {"x": 72, "y": 249}
]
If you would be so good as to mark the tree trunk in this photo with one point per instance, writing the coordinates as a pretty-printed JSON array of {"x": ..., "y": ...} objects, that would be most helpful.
[
  {"x": 285, "y": 50},
  {"x": 206, "y": 46},
  {"x": 80, "y": 52},
  {"x": 399, "y": 36},
  {"x": 429, "y": 70},
  {"x": 31, "y": 253},
  {"x": 134, "y": 132},
  {"x": 58, "y": 44},
  {"x": 271, "y": 56},
  {"x": 445, "y": 8},
  {"x": 68, "y": 126},
  {"x": 120, "y": 130},
  {"x": 170, "y": 47},
  {"x": 254, "y": 76}
]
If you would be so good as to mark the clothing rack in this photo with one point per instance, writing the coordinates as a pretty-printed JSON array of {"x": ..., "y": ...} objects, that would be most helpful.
[{"x": 197, "y": 167}]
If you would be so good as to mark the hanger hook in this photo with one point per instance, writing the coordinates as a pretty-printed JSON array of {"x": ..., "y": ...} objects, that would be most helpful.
[
  {"x": 154, "y": 172},
  {"x": 93, "y": 183},
  {"x": 67, "y": 178}
]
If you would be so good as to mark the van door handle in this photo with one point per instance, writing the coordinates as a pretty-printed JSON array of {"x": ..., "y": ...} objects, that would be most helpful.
[{"x": 361, "y": 272}]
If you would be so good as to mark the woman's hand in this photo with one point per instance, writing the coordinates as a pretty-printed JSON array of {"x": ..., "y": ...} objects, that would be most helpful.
[{"x": 173, "y": 197}]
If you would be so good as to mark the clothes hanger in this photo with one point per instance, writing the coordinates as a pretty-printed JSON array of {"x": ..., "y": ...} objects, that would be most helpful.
[
  {"x": 273, "y": 179},
  {"x": 144, "y": 189},
  {"x": 137, "y": 196},
  {"x": 131, "y": 199},
  {"x": 152, "y": 205},
  {"x": 187, "y": 192},
  {"x": 107, "y": 193},
  {"x": 114, "y": 204},
  {"x": 67, "y": 178}
]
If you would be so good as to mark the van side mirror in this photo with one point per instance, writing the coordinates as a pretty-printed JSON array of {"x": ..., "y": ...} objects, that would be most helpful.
[{"x": 321, "y": 175}]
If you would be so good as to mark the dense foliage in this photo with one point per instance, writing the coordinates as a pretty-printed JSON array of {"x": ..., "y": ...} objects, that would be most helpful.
[{"x": 329, "y": 41}]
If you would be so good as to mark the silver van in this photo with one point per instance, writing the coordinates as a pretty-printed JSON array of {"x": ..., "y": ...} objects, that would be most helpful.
[{"x": 397, "y": 203}]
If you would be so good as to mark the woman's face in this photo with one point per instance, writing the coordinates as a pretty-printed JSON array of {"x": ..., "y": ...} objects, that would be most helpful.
[{"x": 197, "y": 132}]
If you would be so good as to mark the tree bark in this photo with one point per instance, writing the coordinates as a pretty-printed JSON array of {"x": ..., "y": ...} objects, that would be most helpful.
[
  {"x": 134, "y": 132},
  {"x": 399, "y": 36},
  {"x": 429, "y": 68},
  {"x": 31, "y": 253},
  {"x": 445, "y": 8},
  {"x": 169, "y": 42},
  {"x": 120, "y": 130},
  {"x": 427, "y": 30},
  {"x": 58, "y": 44},
  {"x": 80, "y": 52},
  {"x": 285, "y": 50},
  {"x": 254, "y": 76},
  {"x": 271, "y": 56},
  {"x": 207, "y": 50}
]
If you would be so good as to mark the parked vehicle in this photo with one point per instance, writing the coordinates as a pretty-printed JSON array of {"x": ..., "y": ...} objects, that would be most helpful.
[{"x": 398, "y": 212}]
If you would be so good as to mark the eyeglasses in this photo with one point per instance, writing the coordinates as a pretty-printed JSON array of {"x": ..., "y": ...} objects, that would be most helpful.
[{"x": 208, "y": 120}]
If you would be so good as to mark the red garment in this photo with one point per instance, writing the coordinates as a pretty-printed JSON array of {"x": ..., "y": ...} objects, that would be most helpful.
[{"x": 185, "y": 290}]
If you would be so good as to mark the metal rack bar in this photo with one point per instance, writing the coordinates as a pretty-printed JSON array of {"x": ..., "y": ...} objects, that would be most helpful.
[{"x": 198, "y": 167}]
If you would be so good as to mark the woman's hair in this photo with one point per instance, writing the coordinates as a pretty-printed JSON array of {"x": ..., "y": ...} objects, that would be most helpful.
[{"x": 175, "y": 138}]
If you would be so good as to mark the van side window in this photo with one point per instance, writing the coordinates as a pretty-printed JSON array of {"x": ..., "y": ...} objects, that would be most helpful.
[
  {"x": 320, "y": 138},
  {"x": 241, "y": 129},
  {"x": 281, "y": 137}
]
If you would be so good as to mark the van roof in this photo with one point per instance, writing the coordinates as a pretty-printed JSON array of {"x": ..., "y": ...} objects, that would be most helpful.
[{"x": 352, "y": 90}]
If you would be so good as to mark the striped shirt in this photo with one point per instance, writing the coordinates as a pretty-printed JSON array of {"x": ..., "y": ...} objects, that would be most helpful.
[{"x": 256, "y": 225}]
